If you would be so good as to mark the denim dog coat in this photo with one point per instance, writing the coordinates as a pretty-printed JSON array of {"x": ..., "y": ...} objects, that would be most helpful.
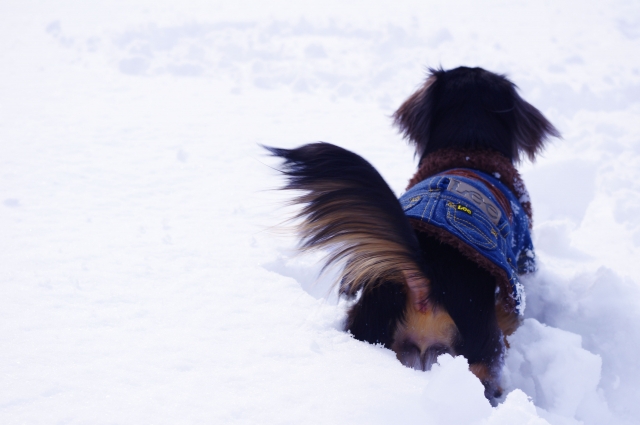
[{"x": 481, "y": 212}]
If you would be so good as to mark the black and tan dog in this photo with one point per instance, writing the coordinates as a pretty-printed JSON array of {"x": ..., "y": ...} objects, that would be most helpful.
[{"x": 420, "y": 288}]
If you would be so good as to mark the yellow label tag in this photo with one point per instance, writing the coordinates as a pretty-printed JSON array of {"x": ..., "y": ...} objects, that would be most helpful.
[{"x": 463, "y": 208}]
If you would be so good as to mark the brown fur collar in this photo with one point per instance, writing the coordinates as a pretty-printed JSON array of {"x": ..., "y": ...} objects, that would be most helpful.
[{"x": 490, "y": 162}]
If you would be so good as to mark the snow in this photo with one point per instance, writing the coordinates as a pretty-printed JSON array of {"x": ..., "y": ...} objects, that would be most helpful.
[{"x": 143, "y": 275}]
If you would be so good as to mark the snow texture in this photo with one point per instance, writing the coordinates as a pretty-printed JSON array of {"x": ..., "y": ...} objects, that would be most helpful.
[{"x": 143, "y": 279}]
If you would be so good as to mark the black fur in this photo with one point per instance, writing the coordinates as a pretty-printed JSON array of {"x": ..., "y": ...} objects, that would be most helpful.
[
  {"x": 467, "y": 292},
  {"x": 349, "y": 209},
  {"x": 334, "y": 179},
  {"x": 469, "y": 108},
  {"x": 375, "y": 316}
]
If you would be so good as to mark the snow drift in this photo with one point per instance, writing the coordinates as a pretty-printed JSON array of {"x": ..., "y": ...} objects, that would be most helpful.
[{"x": 141, "y": 281}]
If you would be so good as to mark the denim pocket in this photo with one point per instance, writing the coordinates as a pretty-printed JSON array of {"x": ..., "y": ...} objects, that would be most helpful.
[
  {"x": 407, "y": 204},
  {"x": 472, "y": 226}
]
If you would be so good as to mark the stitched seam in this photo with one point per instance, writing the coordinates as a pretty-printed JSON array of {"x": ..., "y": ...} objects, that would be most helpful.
[
  {"x": 489, "y": 243},
  {"x": 426, "y": 206},
  {"x": 453, "y": 220},
  {"x": 479, "y": 215},
  {"x": 412, "y": 202},
  {"x": 433, "y": 206}
]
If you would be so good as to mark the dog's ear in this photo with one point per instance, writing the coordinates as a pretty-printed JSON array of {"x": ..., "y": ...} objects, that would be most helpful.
[
  {"x": 413, "y": 117},
  {"x": 471, "y": 108},
  {"x": 531, "y": 129},
  {"x": 348, "y": 208}
]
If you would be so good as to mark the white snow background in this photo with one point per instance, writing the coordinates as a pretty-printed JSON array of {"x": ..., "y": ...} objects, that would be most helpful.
[{"x": 141, "y": 281}]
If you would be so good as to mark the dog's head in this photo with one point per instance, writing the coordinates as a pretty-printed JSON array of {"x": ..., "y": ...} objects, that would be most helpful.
[{"x": 471, "y": 108}]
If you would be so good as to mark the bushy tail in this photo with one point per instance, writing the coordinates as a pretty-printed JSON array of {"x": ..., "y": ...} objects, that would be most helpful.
[{"x": 348, "y": 208}]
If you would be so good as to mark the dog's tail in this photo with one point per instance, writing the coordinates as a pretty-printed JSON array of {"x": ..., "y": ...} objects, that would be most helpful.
[{"x": 348, "y": 208}]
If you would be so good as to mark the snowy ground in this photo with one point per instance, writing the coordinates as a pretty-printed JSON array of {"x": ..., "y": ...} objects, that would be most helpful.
[{"x": 141, "y": 281}]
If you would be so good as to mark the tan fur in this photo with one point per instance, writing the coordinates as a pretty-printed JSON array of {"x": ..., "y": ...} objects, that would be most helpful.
[
  {"x": 427, "y": 328},
  {"x": 481, "y": 371},
  {"x": 508, "y": 322},
  {"x": 426, "y": 332},
  {"x": 374, "y": 253},
  {"x": 417, "y": 288},
  {"x": 488, "y": 379}
]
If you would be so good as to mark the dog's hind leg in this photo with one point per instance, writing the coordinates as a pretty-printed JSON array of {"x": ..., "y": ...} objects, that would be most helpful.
[{"x": 374, "y": 317}]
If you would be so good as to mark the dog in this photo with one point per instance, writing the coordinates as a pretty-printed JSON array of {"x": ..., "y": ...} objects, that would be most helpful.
[{"x": 438, "y": 270}]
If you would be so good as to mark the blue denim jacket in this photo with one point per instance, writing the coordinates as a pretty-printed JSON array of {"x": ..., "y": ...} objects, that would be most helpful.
[{"x": 468, "y": 209}]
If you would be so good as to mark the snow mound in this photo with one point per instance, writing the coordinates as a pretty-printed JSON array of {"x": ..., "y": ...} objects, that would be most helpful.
[{"x": 140, "y": 279}]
